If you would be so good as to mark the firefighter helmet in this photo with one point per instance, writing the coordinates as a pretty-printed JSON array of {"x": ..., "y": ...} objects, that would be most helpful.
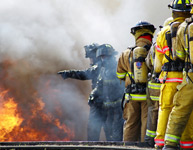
[
  {"x": 90, "y": 50},
  {"x": 181, "y": 5},
  {"x": 105, "y": 50},
  {"x": 143, "y": 25}
]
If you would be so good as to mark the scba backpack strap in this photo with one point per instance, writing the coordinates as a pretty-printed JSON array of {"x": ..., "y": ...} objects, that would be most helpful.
[{"x": 173, "y": 30}]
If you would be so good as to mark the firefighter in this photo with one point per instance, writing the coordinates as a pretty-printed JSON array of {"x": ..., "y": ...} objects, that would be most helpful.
[
  {"x": 179, "y": 128},
  {"x": 109, "y": 91},
  {"x": 132, "y": 69},
  {"x": 153, "y": 92},
  {"x": 89, "y": 74},
  {"x": 170, "y": 67}
]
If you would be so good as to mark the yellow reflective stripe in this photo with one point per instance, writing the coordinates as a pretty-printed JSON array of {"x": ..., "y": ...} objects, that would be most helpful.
[
  {"x": 109, "y": 81},
  {"x": 180, "y": 2},
  {"x": 186, "y": 49},
  {"x": 154, "y": 98},
  {"x": 131, "y": 74},
  {"x": 156, "y": 86},
  {"x": 187, "y": 2},
  {"x": 135, "y": 97},
  {"x": 180, "y": 54},
  {"x": 121, "y": 75},
  {"x": 114, "y": 102},
  {"x": 107, "y": 45},
  {"x": 172, "y": 138},
  {"x": 150, "y": 133}
]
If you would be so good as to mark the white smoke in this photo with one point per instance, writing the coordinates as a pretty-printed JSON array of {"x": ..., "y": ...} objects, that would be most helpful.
[
  {"x": 54, "y": 28},
  {"x": 50, "y": 35}
]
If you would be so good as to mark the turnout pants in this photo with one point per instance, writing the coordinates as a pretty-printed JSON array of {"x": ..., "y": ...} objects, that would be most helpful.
[
  {"x": 152, "y": 122},
  {"x": 114, "y": 123},
  {"x": 180, "y": 125},
  {"x": 135, "y": 115},
  {"x": 153, "y": 92},
  {"x": 97, "y": 118},
  {"x": 166, "y": 103},
  {"x": 110, "y": 118}
]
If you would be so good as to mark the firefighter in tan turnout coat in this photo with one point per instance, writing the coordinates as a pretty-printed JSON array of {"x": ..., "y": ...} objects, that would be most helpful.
[{"x": 133, "y": 70}]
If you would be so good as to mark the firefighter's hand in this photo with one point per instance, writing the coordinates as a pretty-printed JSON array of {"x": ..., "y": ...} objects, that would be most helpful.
[
  {"x": 64, "y": 74},
  {"x": 91, "y": 100}
]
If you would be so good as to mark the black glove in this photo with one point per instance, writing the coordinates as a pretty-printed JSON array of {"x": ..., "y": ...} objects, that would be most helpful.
[
  {"x": 94, "y": 101},
  {"x": 65, "y": 74},
  {"x": 91, "y": 100}
]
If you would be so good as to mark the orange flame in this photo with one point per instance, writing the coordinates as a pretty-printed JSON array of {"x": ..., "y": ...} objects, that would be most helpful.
[
  {"x": 23, "y": 113},
  {"x": 8, "y": 116},
  {"x": 15, "y": 128}
]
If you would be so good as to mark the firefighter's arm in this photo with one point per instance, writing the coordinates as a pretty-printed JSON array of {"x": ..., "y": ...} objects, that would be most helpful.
[
  {"x": 96, "y": 93},
  {"x": 75, "y": 74},
  {"x": 159, "y": 52},
  {"x": 121, "y": 67},
  {"x": 65, "y": 74},
  {"x": 78, "y": 74}
]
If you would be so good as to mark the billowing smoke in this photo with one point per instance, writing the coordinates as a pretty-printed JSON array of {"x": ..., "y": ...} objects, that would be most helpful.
[{"x": 38, "y": 38}]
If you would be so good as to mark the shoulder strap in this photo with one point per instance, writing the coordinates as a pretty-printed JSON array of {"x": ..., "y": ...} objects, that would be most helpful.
[{"x": 169, "y": 41}]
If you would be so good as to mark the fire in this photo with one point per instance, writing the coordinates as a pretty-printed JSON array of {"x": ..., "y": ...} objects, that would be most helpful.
[
  {"x": 8, "y": 116},
  {"x": 39, "y": 126},
  {"x": 28, "y": 113}
]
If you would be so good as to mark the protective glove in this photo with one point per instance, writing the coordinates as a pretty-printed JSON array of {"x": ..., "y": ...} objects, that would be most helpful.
[
  {"x": 64, "y": 73},
  {"x": 94, "y": 101},
  {"x": 91, "y": 100}
]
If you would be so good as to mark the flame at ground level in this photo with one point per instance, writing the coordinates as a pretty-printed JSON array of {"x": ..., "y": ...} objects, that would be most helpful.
[
  {"x": 8, "y": 116},
  {"x": 39, "y": 126}
]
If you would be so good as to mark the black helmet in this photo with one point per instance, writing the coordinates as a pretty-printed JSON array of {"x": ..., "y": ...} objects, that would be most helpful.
[
  {"x": 90, "y": 50},
  {"x": 142, "y": 25},
  {"x": 105, "y": 50},
  {"x": 181, "y": 5}
]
